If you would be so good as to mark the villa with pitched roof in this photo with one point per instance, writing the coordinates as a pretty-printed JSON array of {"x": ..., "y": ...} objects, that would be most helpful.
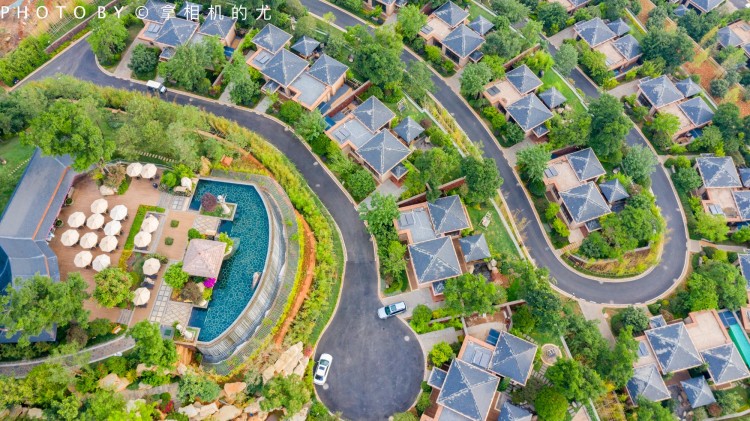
[
  {"x": 703, "y": 6},
  {"x": 219, "y": 26},
  {"x": 571, "y": 5},
  {"x": 387, "y": 6},
  {"x": 449, "y": 29},
  {"x": 722, "y": 192},
  {"x": 737, "y": 35},
  {"x": 680, "y": 99},
  {"x": 613, "y": 40}
]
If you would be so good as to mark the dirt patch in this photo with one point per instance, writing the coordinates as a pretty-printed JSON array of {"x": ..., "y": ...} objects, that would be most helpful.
[
  {"x": 184, "y": 354},
  {"x": 478, "y": 319},
  {"x": 308, "y": 264}
]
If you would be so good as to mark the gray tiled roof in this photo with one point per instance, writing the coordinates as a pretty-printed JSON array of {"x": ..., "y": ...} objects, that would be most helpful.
[
  {"x": 352, "y": 131},
  {"x": 448, "y": 214},
  {"x": 688, "y": 87},
  {"x": 408, "y": 129},
  {"x": 673, "y": 348},
  {"x": 660, "y": 91},
  {"x": 523, "y": 79},
  {"x": 189, "y": 8},
  {"x": 510, "y": 412},
  {"x": 613, "y": 191},
  {"x": 451, "y": 14},
  {"x": 463, "y": 41},
  {"x": 698, "y": 392},
  {"x": 577, "y": 3},
  {"x": 745, "y": 266},
  {"x": 718, "y": 172},
  {"x": 680, "y": 10},
  {"x": 481, "y": 25},
  {"x": 284, "y": 68},
  {"x": 513, "y": 358},
  {"x": 373, "y": 113},
  {"x": 399, "y": 170},
  {"x": 706, "y": 5},
  {"x": 176, "y": 32},
  {"x": 271, "y": 38},
  {"x": 417, "y": 221},
  {"x": 327, "y": 69},
  {"x": 475, "y": 248},
  {"x": 552, "y": 98},
  {"x": 476, "y": 354},
  {"x": 725, "y": 364},
  {"x": 742, "y": 198},
  {"x": 434, "y": 260},
  {"x": 468, "y": 390},
  {"x": 305, "y": 45},
  {"x": 585, "y": 164},
  {"x": 156, "y": 10},
  {"x": 697, "y": 111},
  {"x": 727, "y": 37},
  {"x": 744, "y": 176},
  {"x": 585, "y": 203},
  {"x": 619, "y": 27},
  {"x": 437, "y": 377},
  {"x": 594, "y": 31},
  {"x": 647, "y": 382},
  {"x": 217, "y": 25},
  {"x": 383, "y": 152},
  {"x": 529, "y": 112},
  {"x": 628, "y": 46}
]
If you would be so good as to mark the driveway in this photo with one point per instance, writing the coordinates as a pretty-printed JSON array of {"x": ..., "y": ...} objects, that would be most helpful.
[{"x": 368, "y": 353}]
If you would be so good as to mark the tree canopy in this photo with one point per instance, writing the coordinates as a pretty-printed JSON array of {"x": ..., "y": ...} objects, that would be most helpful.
[
  {"x": 150, "y": 347},
  {"x": 576, "y": 381},
  {"x": 289, "y": 393},
  {"x": 108, "y": 38},
  {"x": 609, "y": 125},
  {"x": 379, "y": 215},
  {"x": 532, "y": 161},
  {"x": 113, "y": 287},
  {"x": 469, "y": 294},
  {"x": 482, "y": 179},
  {"x": 639, "y": 163},
  {"x": 473, "y": 79},
  {"x": 673, "y": 46}
]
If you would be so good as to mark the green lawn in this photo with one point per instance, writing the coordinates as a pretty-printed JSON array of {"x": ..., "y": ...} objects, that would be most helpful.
[
  {"x": 476, "y": 11},
  {"x": 551, "y": 79},
  {"x": 409, "y": 110},
  {"x": 498, "y": 238},
  {"x": 635, "y": 30},
  {"x": 15, "y": 154}
]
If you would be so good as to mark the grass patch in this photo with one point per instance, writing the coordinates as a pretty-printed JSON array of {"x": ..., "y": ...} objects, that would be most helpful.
[
  {"x": 475, "y": 11},
  {"x": 16, "y": 156},
  {"x": 498, "y": 238},
  {"x": 636, "y": 30},
  {"x": 137, "y": 222},
  {"x": 552, "y": 79}
]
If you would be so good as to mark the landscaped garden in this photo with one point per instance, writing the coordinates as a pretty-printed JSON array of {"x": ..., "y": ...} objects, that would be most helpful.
[{"x": 13, "y": 159}]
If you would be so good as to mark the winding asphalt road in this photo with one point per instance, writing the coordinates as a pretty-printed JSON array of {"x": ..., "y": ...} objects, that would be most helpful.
[
  {"x": 646, "y": 288},
  {"x": 377, "y": 365}
]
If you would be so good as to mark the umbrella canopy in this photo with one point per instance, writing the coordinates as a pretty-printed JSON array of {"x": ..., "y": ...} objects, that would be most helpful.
[
  {"x": 134, "y": 169},
  {"x": 142, "y": 239},
  {"x": 151, "y": 267},
  {"x": 148, "y": 171},
  {"x": 112, "y": 228},
  {"x": 76, "y": 219},
  {"x": 95, "y": 221},
  {"x": 150, "y": 224},
  {"x": 99, "y": 206},
  {"x": 141, "y": 296},
  {"x": 69, "y": 238},
  {"x": 118, "y": 213},
  {"x": 186, "y": 182},
  {"x": 83, "y": 259},
  {"x": 108, "y": 244},
  {"x": 101, "y": 262},
  {"x": 89, "y": 240}
]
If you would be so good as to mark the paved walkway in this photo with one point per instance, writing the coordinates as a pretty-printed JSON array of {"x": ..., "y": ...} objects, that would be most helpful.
[
  {"x": 160, "y": 303},
  {"x": 593, "y": 311},
  {"x": 122, "y": 69},
  {"x": 627, "y": 88}
]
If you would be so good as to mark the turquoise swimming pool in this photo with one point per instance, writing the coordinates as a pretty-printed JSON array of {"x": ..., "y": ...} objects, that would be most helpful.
[
  {"x": 737, "y": 334},
  {"x": 234, "y": 287}
]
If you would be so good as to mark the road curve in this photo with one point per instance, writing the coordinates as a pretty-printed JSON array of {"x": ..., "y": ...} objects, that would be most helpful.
[
  {"x": 377, "y": 365},
  {"x": 647, "y": 288}
]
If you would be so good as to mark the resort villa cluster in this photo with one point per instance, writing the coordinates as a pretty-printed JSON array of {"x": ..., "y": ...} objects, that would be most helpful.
[
  {"x": 226, "y": 238},
  {"x": 725, "y": 189},
  {"x": 448, "y": 28}
]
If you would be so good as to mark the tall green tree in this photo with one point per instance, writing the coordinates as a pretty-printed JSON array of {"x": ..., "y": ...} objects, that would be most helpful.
[
  {"x": 150, "y": 347},
  {"x": 609, "y": 126},
  {"x": 571, "y": 128},
  {"x": 514, "y": 10},
  {"x": 550, "y": 404},
  {"x": 673, "y": 46},
  {"x": 379, "y": 215},
  {"x": 113, "y": 287},
  {"x": 306, "y": 26},
  {"x": 482, "y": 179},
  {"x": 67, "y": 128},
  {"x": 702, "y": 292},
  {"x": 566, "y": 59},
  {"x": 730, "y": 284},
  {"x": 469, "y": 294},
  {"x": 617, "y": 366},
  {"x": 552, "y": 15},
  {"x": 576, "y": 381},
  {"x": 687, "y": 179},
  {"x": 289, "y": 393},
  {"x": 639, "y": 163},
  {"x": 532, "y": 161},
  {"x": 418, "y": 79},
  {"x": 473, "y": 79},
  {"x": 653, "y": 411},
  {"x": 244, "y": 91},
  {"x": 410, "y": 21},
  {"x": 311, "y": 126},
  {"x": 144, "y": 60},
  {"x": 37, "y": 303},
  {"x": 104, "y": 404},
  {"x": 711, "y": 227},
  {"x": 108, "y": 38}
]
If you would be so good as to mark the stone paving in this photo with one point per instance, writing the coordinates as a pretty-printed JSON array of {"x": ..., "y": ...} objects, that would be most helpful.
[
  {"x": 160, "y": 303},
  {"x": 177, "y": 312},
  {"x": 413, "y": 299}
]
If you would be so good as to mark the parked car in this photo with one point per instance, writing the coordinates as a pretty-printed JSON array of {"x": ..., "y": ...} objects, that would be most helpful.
[
  {"x": 155, "y": 86},
  {"x": 321, "y": 372},
  {"x": 391, "y": 310}
]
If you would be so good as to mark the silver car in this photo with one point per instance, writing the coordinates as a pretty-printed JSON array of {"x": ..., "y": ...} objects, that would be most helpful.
[
  {"x": 321, "y": 372},
  {"x": 391, "y": 310}
]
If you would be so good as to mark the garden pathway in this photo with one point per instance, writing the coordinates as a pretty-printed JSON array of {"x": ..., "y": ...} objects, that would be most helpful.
[
  {"x": 170, "y": 388},
  {"x": 593, "y": 311}
]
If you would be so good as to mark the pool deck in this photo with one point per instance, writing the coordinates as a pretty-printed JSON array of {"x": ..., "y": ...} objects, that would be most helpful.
[{"x": 706, "y": 329}]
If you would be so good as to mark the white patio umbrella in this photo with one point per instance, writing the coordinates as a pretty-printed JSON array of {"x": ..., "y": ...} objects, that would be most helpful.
[
  {"x": 148, "y": 171},
  {"x": 118, "y": 213},
  {"x": 83, "y": 259},
  {"x": 89, "y": 240},
  {"x": 141, "y": 296},
  {"x": 151, "y": 267},
  {"x": 142, "y": 239},
  {"x": 95, "y": 221},
  {"x": 76, "y": 220},
  {"x": 134, "y": 169},
  {"x": 99, "y": 206},
  {"x": 101, "y": 262},
  {"x": 186, "y": 182},
  {"x": 69, "y": 238},
  {"x": 108, "y": 244},
  {"x": 150, "y": 224},
  {"x": 112, "y": 228}
]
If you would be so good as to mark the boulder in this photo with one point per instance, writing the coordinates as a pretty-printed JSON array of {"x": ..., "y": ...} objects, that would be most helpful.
[
  {"x": 254, "y": 407},
  {"x": 301, "y": 415},
  {"x": 35, "y": 413},
  {"x": 227, "y": 413},
  {"x": 268, "y": 374},
  {"x": 301, "y": 367},
  {"x": 131, "y": 405},
  {"x": 144, "y": 386},
  {"x": 181, "y": 369},
  {"x": 189, "y": 411},
  {"x": 207, "y": 410},
  {"x": 141, "y": 368},
  {"x": 113, "y": 382},
  {"x": 106, "y": 191},
  {"x": 232, "y": 389},
  {"x": 16, "y": 412}
]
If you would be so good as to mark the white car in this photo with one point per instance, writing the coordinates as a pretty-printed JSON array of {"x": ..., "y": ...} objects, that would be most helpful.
[
  {"x": 391, "y": 310},
  {"x": 321, "y": 372}
]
